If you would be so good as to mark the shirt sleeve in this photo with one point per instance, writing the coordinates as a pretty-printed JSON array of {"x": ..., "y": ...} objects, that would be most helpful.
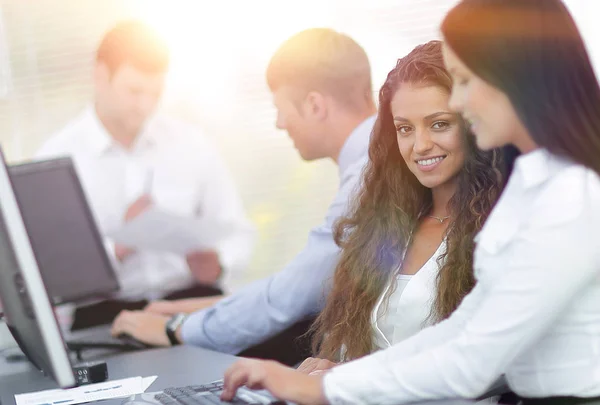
[
  {"x": 268, "y": 306},
  {"x": 52, "y": 148},
  {"x": 549, "y": 261}
]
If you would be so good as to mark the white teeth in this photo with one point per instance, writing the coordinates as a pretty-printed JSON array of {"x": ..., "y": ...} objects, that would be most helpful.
[{"x": 429, "y": 162}]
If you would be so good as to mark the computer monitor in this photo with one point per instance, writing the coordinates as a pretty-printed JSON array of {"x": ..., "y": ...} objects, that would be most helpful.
[
  {"x": 27, "y": 308},
  {"x": 62, "y": 229}
]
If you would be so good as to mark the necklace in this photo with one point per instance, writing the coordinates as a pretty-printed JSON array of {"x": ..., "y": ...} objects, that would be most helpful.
[{"x": 442, "y": 219}]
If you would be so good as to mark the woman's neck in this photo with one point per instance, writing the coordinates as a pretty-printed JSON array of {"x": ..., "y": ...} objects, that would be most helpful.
[{"x": 440, "y": 196}]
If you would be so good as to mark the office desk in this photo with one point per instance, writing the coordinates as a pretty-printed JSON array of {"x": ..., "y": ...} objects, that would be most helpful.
[{"x": 176, "y": 366}]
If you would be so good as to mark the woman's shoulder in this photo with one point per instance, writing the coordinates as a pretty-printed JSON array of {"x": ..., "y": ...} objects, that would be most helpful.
[
  {"x": 572, "y": 182},
  {"x": 571, "y": 190},
  {"x": 556, "y": 193}
]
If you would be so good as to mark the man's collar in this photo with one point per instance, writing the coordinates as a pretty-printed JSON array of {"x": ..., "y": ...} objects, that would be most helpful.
[
  {"x": 357, "y": 144},
  {"x": 101, "y": 141}
]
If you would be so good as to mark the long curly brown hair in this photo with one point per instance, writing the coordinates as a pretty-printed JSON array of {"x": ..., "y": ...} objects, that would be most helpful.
[{"x": 387, "y": 211}]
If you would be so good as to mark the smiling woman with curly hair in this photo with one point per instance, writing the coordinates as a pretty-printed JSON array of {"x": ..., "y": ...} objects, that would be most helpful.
[{"x": 408, "y": 243}]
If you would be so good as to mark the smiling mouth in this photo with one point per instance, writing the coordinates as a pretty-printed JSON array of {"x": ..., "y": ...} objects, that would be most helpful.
[{"x": 430, "y": 162}]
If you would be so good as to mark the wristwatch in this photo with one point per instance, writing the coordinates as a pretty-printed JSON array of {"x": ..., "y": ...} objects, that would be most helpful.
[{"x": 172, "y": 325}]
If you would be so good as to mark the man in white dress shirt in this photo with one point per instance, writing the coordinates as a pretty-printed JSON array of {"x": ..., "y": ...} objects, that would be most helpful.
[{"x": 129, "y": 160}]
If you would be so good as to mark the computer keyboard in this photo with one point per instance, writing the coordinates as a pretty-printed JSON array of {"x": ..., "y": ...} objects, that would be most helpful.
[
  {"x": 124, "y": 343},
  {"x": 209, "y": 394}
]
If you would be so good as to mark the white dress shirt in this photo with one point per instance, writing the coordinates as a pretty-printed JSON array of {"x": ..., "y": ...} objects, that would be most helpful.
[
  {"x": 407, "y": 309},
  {"x": 534, "y": 314},
  {"x": 183, "y": 173}
]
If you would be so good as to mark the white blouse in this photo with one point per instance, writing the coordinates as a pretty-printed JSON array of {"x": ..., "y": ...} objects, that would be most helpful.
[
  {"x": 534, "y": 314},
  {"x": 407, "y": 310}
]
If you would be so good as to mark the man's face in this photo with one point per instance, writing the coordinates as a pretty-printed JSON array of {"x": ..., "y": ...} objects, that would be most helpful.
[
  {"x": 297, "y": 117},
  {"x": 128, "y": 96}
]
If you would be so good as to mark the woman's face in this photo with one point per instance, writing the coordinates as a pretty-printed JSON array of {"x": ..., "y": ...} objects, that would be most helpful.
[
  {"x": 488, "y": 110},
  {"x": 430, "y": 137}
]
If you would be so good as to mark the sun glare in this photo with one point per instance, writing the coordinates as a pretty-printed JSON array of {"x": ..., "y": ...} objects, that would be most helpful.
[{"x": 207, "y": 38}]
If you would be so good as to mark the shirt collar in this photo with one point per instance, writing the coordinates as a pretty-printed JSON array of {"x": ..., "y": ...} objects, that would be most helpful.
[
  {"x": 101, "y": 141},
  {"x": 356, "y": 145},
  {"x": 537, "y": 166}
]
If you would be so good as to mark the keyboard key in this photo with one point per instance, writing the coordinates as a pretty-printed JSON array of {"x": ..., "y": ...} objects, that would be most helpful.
[
  {"x": 199, "y": 388},
  {"x": 213, "y": 399},
  {"x": 165, "y": 399}
]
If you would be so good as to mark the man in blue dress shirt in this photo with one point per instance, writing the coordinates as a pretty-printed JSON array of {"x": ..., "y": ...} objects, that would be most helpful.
[{"x": 321, "y": 85}]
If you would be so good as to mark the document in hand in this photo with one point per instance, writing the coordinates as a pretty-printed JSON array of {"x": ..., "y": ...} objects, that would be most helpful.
[{"x": 159, "y": 230}]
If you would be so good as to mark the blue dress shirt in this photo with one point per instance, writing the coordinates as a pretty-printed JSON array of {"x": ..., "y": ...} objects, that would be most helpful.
[{"x": 266, "y": 307}]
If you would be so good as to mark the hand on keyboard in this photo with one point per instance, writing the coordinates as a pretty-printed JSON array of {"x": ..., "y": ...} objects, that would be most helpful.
[{"x": 281, "y": 381}]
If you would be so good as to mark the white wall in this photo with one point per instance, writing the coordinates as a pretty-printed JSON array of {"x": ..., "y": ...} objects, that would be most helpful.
[{"x": 586, "y": 13}]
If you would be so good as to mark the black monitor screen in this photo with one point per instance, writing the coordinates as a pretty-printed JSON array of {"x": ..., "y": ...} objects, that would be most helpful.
[{"x": 63, "y": 233}]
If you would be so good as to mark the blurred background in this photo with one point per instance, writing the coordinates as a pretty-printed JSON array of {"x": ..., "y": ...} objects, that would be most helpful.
[{"x": 220, "y": 50}]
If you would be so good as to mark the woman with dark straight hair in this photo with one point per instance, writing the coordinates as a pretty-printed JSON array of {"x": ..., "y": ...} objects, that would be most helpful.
[{"x": 522, "y": 77}]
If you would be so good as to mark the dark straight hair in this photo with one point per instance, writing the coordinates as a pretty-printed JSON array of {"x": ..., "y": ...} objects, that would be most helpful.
[{"x": 533, "y": 52}]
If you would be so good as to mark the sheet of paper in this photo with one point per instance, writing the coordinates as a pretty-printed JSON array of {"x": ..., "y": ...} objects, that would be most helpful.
[
  {"x": 87, "y": 393},
  {"x": 147, "y": 382},
  {"x": 158, "y": 230}
]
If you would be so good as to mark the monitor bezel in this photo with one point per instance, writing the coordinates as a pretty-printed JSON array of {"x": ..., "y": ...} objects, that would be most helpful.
[{"x": 25, "y": 262}]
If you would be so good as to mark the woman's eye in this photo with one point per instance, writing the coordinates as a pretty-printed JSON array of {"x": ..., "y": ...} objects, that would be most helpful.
[
  {"x": 440, "y": 125},
  {"x": 403, "y": 129},
  {"x": 459, "y": 81}
]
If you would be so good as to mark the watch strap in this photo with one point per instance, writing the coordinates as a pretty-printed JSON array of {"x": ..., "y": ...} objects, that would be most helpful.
[{"x": 172, "y": 325}]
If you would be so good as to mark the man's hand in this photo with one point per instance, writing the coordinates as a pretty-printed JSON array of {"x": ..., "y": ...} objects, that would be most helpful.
[
  {"x": 144, "y": 326},
  {"x": 137, "y": 207},
  {"x": 284, "y": 383},
  {"x": 205, "y": 266},
  {"x": 122, "y": 252},
  {"x": 315, "y": 366}
]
